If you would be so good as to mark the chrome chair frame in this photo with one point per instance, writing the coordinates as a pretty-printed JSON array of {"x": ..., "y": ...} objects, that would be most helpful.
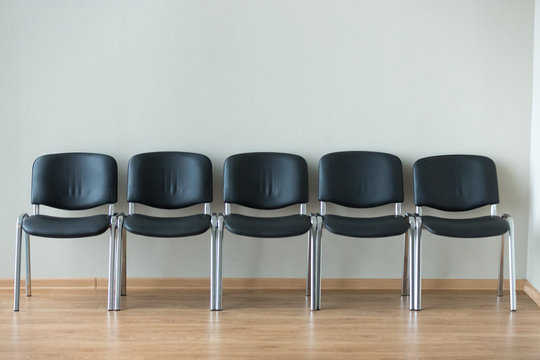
[
  {"x": 20, "y": 233},
  {"x": 120, "y": 268},
  {"x": 314, "y": 263},
  {"x": 416, "y": 261},
  {"x": 216, "y": 256}
]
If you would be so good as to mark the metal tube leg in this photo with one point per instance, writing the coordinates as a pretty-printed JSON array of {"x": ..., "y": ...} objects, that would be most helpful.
[
  {"x": 118, "y": 276},
  {"x": 28, "y": 279},
  {"x": 308, "y": 276},
  {"x": 216, "y": 253},
  {"x": 315, "y": 253},
  {"x": 17, "y": 280},
  {"x": 511, "y": 263},
  {"x": 501, "y": 269},
  {"x": 417, "y": 267},
  {"x": 412, "y": 261},
  {"x": 405, "y": 275},
  {"x": 213, "y": 248},
  {"x": 124, "y": 262},
  {"x": 110, "y": 284}
]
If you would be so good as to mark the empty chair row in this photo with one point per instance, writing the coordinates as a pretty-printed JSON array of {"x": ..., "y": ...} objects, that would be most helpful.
[{"x": 263, "y": 181}]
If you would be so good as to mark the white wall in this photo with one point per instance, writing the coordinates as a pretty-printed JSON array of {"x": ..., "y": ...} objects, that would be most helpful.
[
  {"x": 533, "y": 259},
  {"x": 414, "y": 78}
]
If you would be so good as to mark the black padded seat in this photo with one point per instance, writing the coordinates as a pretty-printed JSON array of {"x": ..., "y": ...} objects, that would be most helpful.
[
  {"x": 484, "y": 226},
  {"x": 167, "y": 227},
  {"x": 375, "y": 227},
  {"x": 61, "y": 227},
  {"x": 274, "y": 227}
]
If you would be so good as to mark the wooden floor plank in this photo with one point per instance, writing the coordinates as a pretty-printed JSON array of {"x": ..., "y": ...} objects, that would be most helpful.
[{"x": 263, "y": 323}]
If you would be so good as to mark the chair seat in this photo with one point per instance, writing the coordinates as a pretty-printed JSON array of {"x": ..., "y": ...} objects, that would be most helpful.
[
  {"x": 484, "y": 226},
  {"x": 61, "y": 227},
  {"x": 274, "y": 227},
  {"x": 366, "y": 227},
  {"x": 167, "y": 226}
]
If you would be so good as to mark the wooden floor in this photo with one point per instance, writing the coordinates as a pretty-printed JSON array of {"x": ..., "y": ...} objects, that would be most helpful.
[{"x": 267, "y": 324}]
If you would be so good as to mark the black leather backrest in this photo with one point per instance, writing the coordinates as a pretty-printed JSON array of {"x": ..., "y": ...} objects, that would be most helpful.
[
  {"x": 74, "y": 181},
  {"x": 169, "y": 180},
  {"x": 360, "y": 179},
  {"x": 455, "y": 182},
  {"x": 265, "y": 180}
]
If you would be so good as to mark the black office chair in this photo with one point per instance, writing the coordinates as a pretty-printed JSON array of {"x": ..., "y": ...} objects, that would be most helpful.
[
  {"x": 262, "y": 181},
  {"x": 164, "y": 180},
  {"x": 360, "y": 179},
  {"x": 69, "y": 181},
  {"x": 457, "y": 183}
]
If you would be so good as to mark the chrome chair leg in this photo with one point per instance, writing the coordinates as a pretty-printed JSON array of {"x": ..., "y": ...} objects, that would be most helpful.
[
  {"x": 501, "y": 269},
  {"x": 316, "y": 265},
  {"x": 216, "y": 254},
  {"x": 308, "y": 276},
  {"x": 511, "y": 262},
  {"x": 416, "y": 300},
  {"x": 112, "y": 257},
  {"x": 124, "y": 262},
  {"x": 412, "y": 262},
  {"x": 405, "y": 276},
  {"x": 119, "y": 255},
  {"x": 18, "y": 245},
  {"x": 28, "y": 279},
  {"x": 213, "y": 248}
]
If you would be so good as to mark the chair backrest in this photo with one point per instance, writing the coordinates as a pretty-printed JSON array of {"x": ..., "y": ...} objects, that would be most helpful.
[
  {"x": 265, "y": 180},
  {"x": 169, "y": 180},
  {"x": 455, "y": 182},
  {"x": 360, "y": 179},
  {"x": 74, "y": 181}
]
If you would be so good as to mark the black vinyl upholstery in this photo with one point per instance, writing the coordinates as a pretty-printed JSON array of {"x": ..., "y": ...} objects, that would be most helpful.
[
  {"x": 72, "y": 181},
  {"x": 484, "y": 226},
  {"x": 455, "y": 182},
  {"x": 375, "y": 227},
  {"x": 266, "y": 181},
  {"x": 362, "y": 179},
  {"x": 263, "y": 227},
  {"x": 58, "y": 227},
  {"x": 169, "y": 180},
  {"x": 167, "y": 227},
  {"x": 458, "y": 183}
]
